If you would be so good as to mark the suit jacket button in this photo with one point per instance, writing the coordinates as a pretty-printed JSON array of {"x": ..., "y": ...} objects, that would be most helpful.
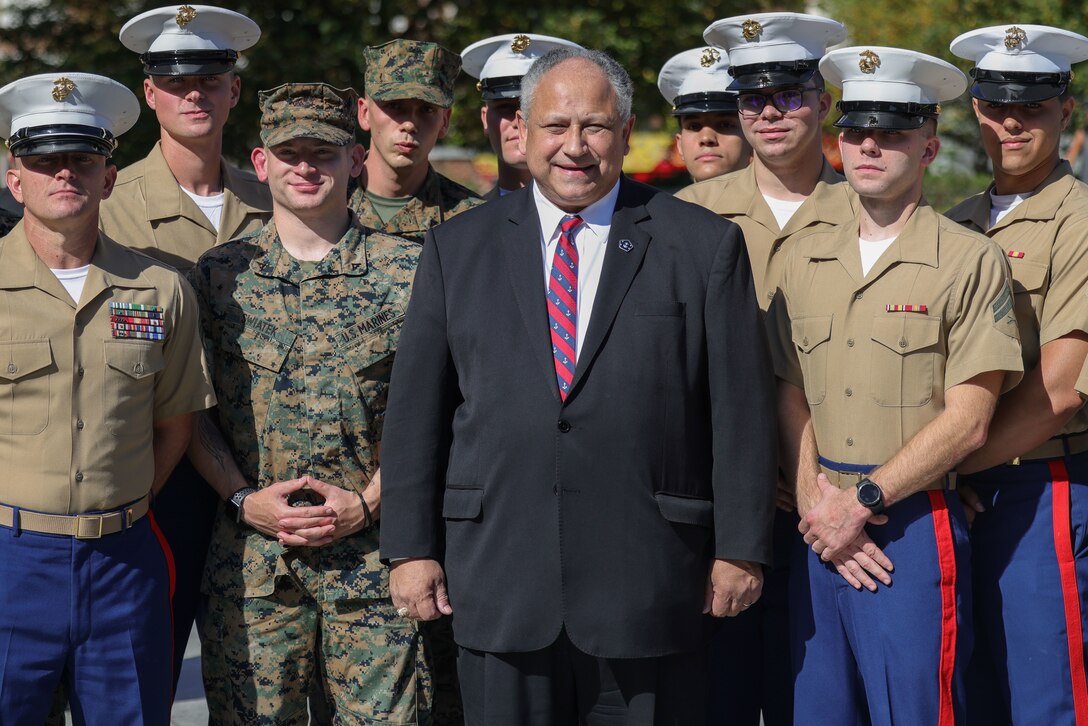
[{"x": 564, "y": 426}]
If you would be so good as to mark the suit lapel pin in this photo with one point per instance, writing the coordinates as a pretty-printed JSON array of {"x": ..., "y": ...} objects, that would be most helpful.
[{"x": 627, "y": 245}]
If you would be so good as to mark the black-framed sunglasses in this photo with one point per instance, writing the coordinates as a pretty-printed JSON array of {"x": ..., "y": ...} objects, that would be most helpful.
[{"x": 786, "y": 100}]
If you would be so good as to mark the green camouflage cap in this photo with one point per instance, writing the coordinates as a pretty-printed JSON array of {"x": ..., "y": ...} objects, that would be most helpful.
[
  {"x": 411, "y": 69},
  {"x": 308, "y": 110}
]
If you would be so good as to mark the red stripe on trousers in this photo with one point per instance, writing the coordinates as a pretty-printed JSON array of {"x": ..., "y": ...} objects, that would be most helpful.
[
  {"x": 173, "y": 575},
  {"x": 946, "y": 560},
  {"x": 1063, "y": 548}
]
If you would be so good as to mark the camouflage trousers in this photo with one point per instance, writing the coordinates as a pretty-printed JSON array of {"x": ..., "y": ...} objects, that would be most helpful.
[{"x": 260, "y": 656}]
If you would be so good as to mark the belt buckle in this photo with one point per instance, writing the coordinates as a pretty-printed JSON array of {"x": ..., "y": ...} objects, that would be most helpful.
[{"x": 81, "y": 518}]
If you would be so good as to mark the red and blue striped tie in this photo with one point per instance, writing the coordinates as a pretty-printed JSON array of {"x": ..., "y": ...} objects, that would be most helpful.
[{"x": 563, "y": 304}]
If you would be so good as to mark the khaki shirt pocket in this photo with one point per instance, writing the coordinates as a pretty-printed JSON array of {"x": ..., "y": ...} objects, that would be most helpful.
[
  {"x": 811, "y": 336},
  {"x": 1027, "y": 277},
  {"x": 903, "y": 363},
  {"x": 26, "y": 373},
  {"x": 128, "y": 391}
]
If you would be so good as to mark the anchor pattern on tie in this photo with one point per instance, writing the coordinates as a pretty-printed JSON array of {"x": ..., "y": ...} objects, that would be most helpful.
[{"x": 563, "y": 305}]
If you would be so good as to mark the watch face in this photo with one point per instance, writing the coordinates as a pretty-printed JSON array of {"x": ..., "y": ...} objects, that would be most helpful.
[{"x": 869, "y": 494}]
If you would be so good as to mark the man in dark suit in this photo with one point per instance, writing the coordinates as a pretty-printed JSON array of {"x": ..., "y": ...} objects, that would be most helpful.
[{"x": 600, "y": 492}]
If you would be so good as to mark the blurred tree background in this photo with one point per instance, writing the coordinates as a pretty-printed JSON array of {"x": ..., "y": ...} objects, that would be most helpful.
[
  {"x": 929, "y": 26},
  {"x": 306, "y": 40},
  {"x": 309, "y": 40}
]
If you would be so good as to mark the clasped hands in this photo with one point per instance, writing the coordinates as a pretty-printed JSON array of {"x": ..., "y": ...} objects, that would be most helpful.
[
  {"x": 835, "y": 530},
  {"x": 270, "y": 511}
]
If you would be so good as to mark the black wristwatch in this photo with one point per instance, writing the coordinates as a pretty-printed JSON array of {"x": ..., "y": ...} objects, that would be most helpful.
[
  {"x": 234, "y": 504},
  {"x": 871, "y": 496}
]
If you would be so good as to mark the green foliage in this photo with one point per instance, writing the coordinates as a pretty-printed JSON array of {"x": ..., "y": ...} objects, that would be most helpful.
[
  {"x": 930, "y": 26},
  {"x": 322, "y": 40}
]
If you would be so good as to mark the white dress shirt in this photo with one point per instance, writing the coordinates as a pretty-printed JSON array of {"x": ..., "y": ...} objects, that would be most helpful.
[{"x": 591, "y": 240}]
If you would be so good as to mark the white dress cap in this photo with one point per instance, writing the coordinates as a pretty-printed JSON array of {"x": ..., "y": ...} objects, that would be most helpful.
[
  {"x": 182, "y": 40},
  {"x": 890, "y": 87},
  {"x": 63, "y": 112},
  {"x": 695, "y": 81},
  {"x": 1020, "y": 63},
  {"x": 774, "y": 49},
  {"x": 499, "y": 62}
]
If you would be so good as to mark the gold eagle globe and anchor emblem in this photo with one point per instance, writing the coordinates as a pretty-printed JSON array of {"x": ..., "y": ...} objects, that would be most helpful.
[
  {"x": 186, "y": 14},
  {"x": 709, "y": 57},
  {"x": 62, "y": 88},
  {"x": 1015, "y": 37},
  {"x": 751, "y": 29},
  {"x": 520, "y": 43},
  {"x": 869, "y": 62}
]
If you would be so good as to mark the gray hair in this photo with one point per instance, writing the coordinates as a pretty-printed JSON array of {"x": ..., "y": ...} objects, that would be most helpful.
[{"x": 617, "y": 77}]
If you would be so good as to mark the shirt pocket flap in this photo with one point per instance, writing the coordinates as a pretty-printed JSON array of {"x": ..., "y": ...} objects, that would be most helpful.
[
  {"x": 370, "y": 346},
  {"x": 904, "y": 333},
  {"x": 372, "y": 358},
  {"x": 19, "y": 359},
  {"x": 462, "y": 503},
  {"x": 1027, "y": 276},
  {"x": 685, "y": 510},
  {"x": 657, "y": 309},
  {"x": 263, "y": 350},
  {"x": 136, "y": 360},
  {"x": 810, "y": 332}
]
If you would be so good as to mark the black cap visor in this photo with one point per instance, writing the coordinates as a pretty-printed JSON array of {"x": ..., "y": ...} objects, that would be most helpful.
[
  {"x": 189, "y": 62},
  {"x": 768, "y": 75},
  {"x": 1017, "y": 86},
  {"x": 494, "y": 89},
  {"x": 884, "y": 115},
  {"x": 61, "y": 139},
  {"x": 704, "y": 103}
]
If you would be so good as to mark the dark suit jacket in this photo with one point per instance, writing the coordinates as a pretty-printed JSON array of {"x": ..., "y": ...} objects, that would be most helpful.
[{"x": 600, "y": 514}]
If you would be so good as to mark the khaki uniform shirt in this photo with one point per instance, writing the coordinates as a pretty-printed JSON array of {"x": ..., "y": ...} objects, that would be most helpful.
[
  {"x": 1082, "y": 381},
  {"x": 736, "y": 197},
  {"x": 149, "y": 212},
  {"x": 1046, "y": 241},
  {"x": 77, "y": 400},
  {"x": 301, "y": 364},
  {"x": 436, "y": 201},
  {"x": 873, "y": 370}
]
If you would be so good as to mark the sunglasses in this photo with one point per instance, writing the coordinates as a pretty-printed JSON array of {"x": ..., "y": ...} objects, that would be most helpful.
[{"x": 790, "y": 99}]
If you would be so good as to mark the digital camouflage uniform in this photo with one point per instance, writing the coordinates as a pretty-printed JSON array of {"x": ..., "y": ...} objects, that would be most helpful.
[
  {"x": 10, "y": 212},
  {"x": 7, "y": 222},
  {"x": 302, "y": 361},
  {"x": 302, "y": 352},
  {"x": 409, "y": 69},
  {"x": 436, "y": 201},
  {"x": 403, "y": 69}
]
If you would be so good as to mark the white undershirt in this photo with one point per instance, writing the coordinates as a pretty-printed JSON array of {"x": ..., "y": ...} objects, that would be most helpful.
[
  {"x": 1002, "y": 204},
  {"x": 871, "y": 250},
  {"x": 591, "y": 240},
  {"x": 782, "y": 209},
  {"x": 211, "y": 205},
  {"x": 72, "y": 279}
]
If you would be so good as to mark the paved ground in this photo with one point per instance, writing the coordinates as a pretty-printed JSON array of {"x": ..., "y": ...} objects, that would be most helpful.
[
  {"x": 190, "y": 709},
  {"x": 189, "y": 706}
]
